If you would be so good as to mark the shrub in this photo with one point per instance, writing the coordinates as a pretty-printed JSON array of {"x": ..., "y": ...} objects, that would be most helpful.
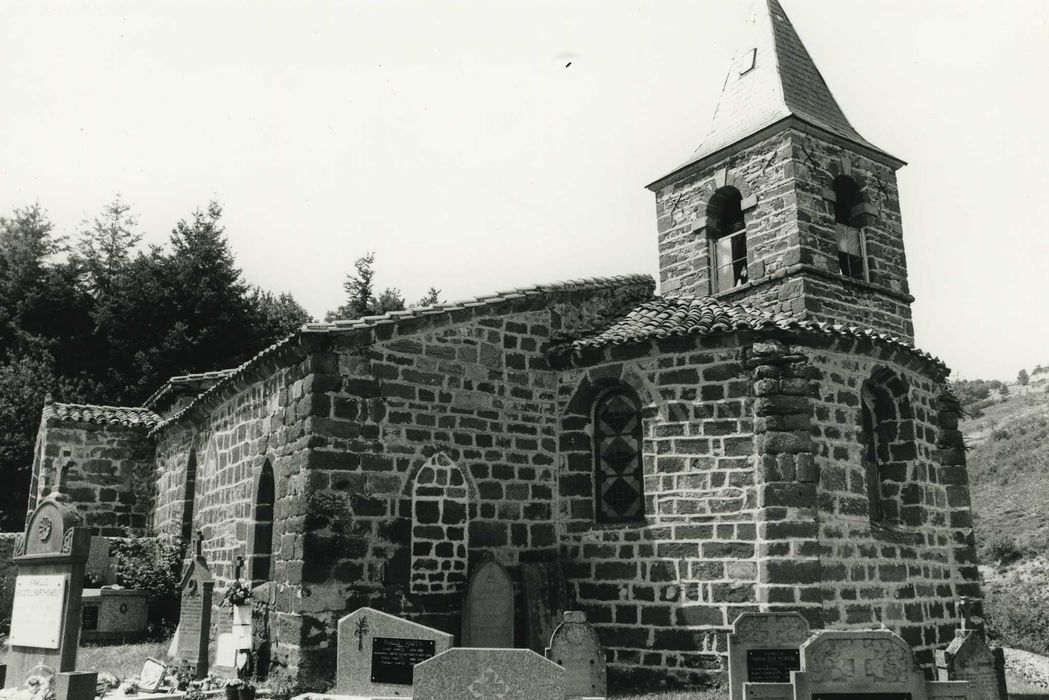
[
  {"x": 1017, "y": 615},
  {"x": 154, "y": 565},
  {"x": 1001, "y": 434},
  {"x": 1000, "y": 549}
]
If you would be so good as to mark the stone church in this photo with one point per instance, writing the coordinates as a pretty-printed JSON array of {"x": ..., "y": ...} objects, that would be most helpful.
[{"x": 762, "y": 434}]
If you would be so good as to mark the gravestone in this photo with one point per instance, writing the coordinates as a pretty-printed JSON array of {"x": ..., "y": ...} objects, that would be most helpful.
[
  {"x": 488, "y": 613},
  {"x": 970, "y": 658},
  {"x": 857, "y": 665},
  {"x": 45, "y": 621},
  {"x": 764, "y": 648},
  {"x": 544, "y": 596},
  {"x": 506, "y": 674},
  {"x": 575, "y": 646},
  {"x": 377, "y": 653},
  {"x": 75, "y": 686},
  {"x": 194, "y": 625},
  {"x": 97, "y": 566}
]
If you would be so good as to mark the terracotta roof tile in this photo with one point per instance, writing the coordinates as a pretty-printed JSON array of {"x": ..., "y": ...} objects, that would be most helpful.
[
  {"x": 126, "y": 416},
  {"x": 664, "y": 317}
]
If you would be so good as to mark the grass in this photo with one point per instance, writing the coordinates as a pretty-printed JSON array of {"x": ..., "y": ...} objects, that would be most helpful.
[
  {"x": 122, "y": 660},
  {"x": 1009, "y": 470}
]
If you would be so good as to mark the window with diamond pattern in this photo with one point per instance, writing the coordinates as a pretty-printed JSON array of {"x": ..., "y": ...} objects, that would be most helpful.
[{"x": 618, "y": 476}]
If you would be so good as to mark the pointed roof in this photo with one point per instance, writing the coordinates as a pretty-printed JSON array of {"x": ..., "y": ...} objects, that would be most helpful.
[{"x": 772, "y": 78}]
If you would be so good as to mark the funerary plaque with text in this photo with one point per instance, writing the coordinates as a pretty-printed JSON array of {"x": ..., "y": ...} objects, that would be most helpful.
[
  {"x": 39, "y": 605},
  {"x": 394, "y": 658},
  {"x": 862, "y": 696},
  {"x": 772, "y": 665}
]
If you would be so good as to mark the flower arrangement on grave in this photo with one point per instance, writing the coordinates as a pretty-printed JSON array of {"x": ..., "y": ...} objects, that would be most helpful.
[
  {"x": 105, "y": 683},
  {"x": 236, "y": 594},
  {"x": 233, "y": 686},
  {"x": 247, "y": 691},
  {"x": 36, "y": 688},
  {"x": 193, "y": 693}
]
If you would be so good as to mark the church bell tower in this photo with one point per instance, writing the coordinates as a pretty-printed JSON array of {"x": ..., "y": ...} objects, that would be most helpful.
[{"x": 784, "y": 206}]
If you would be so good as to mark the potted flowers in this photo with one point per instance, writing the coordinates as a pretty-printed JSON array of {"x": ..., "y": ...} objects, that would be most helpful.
[{"x": 238, "y": 596}]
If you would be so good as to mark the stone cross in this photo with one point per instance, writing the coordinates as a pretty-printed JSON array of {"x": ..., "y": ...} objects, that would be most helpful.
[
  {"x": 238, "y": 568},
  {"x": 198, "y": 544},
  {"x": 967, "y": 604}
]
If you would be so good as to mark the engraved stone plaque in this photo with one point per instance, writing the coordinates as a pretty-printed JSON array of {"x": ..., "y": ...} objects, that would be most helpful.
[
  {"x": 862, "y": 696},
  {"x": 38, "y": 609}
]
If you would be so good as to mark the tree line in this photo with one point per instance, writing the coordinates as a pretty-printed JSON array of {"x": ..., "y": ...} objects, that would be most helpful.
[{"x": 95, "y": 317}]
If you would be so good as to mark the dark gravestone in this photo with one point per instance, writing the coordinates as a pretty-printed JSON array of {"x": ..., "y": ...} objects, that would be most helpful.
[
  {"x": 394, "y": 658},
  {"x": 76, "y": 686},
  {"x": 194, "y": 624},
  {"x": 89, "y": 618},
  {"x": 45, "y": 619},
  {"x": 544, "y": 596}
]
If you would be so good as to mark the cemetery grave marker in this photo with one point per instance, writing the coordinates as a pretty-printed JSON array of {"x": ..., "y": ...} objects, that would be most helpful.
[
  {"x": 45, "y": 622},
  {"x": 195, "y": 611},
  {"x": 544, "y": 597},
  {"x": 764, "y": 648},
  {"x": 377, "y": 653},
  {"x": 506, "y": 674},
  {"x": 488, "y": 613},
  {"x": 575, "y": 646},
  {"x": 970, "y": 658},
  {"x": 76, "y": 686},
  {"x": 857, "y": 665}
]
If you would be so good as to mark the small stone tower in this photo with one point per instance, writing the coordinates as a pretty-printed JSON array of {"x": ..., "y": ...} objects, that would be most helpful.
[{"x": 784, "y": 206}]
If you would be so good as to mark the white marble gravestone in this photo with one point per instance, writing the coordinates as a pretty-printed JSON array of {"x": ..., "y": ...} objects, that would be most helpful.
[
  {"x": 488, "y": 613},
  {"x": 575, "y": 646},
  {"x": 487, "y": 674},
  {"x": 377, "y": 653},
  {"x": 764, "y": 647}
]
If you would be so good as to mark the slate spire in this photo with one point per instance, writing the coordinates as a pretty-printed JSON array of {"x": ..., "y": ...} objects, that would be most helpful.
[{"x": 772, "y": 77}]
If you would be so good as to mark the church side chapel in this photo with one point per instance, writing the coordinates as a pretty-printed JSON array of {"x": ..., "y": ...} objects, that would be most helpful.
[{"x": 759, "y": 436}]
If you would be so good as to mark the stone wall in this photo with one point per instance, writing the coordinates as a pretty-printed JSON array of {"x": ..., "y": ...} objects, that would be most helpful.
[
  {"x": 907, "y": 570},
  {"x": 8, "y": 572},
  {"x": 229, "y": 438},
  {"x": 106, "y": 472},
  {"x": 661, "y": 592},
  {"x": 791, "y": 234}
]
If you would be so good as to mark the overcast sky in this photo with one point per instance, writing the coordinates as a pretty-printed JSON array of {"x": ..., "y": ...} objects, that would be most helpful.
[{"x": 454, "y": 140}]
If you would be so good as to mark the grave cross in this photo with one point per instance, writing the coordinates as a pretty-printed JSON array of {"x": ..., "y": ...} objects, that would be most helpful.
[
  {"x": 238, "y": 568},
  {"x": 198, "y": 544}
]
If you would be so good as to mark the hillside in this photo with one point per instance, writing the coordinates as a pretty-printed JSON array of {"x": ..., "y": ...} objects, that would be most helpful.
[{"x": 1009, "y": 466}]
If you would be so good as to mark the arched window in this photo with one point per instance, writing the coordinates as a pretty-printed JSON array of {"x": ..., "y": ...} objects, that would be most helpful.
[
  {"x": 848, "y": 217},
  {"x": 727, "y": 234},
  {"x": 619, "y": 487},
  {"x": 440, "y": 527},
  {"x": 261, "y": 545},
  {"x": 887, "y": 434},
  {"x": 189, "y": 496}
]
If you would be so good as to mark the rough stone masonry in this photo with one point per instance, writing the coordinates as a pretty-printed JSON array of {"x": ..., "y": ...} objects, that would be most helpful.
[{"x": 763, "y": 436}]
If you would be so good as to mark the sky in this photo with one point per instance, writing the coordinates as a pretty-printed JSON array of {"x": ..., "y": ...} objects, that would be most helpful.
[{"x": 481, "y": 146}]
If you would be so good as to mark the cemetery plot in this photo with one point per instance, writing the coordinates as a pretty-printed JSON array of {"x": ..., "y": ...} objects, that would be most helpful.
[{"x": 764, "y": 648}]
